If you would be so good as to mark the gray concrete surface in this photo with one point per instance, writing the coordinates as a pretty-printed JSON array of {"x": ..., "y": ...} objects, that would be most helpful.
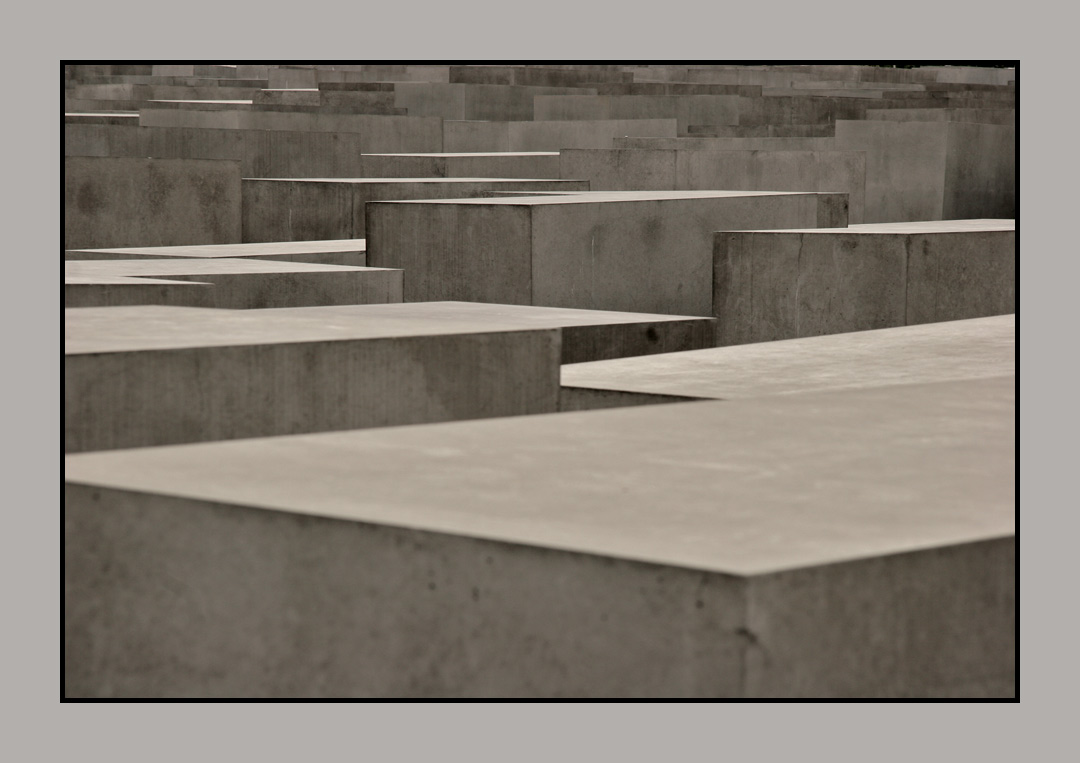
[
  {"x": 774, "y": 547},
  {"x": 112, "y": 291},
  {"x": 669, "y": 169},
  {"x": 773, "y": 285},
  {"x": 552, "y": 135},
  {"x": 280, "y": 209},
  {"x": 631, "y": 251},
  {"x": 935, "y": 352},
  {"x": 112, "y": 202},
  {"x": 351, "y": 252},
  {"x": 244, "y": 283},
  {"x": 504, "y": 164},
  {"x": 140, "y": 376}
]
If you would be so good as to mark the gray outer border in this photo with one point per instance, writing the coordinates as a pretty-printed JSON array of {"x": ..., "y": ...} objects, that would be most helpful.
[{"x": 920, "y": 29}]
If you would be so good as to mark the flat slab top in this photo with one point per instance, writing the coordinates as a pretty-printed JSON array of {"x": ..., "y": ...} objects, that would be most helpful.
[
  {"x": 190, "y": 266},
  {"x": 742, "y": 487},
  {"x": 933, "y": 352},
  {"x": 501, "y": 154},
  {"x": 275, "y": 248},
  {"x": 934, "y": 226},
  {"x": 125, "y": 114},
  {"x": 203, "y": 101},
  {"x": 593, "y": 197},
  {"x": 157, "y": 327},
  {"x": 378, "y": 181}
]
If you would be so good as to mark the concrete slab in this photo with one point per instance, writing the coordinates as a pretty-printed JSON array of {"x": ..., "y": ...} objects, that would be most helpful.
[
  {"x": 244, "y": 283},
  {"x": 774, "y": 547},
  {"x": 506, "y": 164},
  {"x": 281, "y": 209},
  {"x": 629, "y": 251},
  {"x": 351, "y": 252},
  {"x": 936, "y": 352},
  {"x": 553, "y": 135},
  {"x": 108, "y": 291},
  {"x": 773, "y": 285},
  {"x": 141, "y": 376},
  {"x": 111, "y": 202}
]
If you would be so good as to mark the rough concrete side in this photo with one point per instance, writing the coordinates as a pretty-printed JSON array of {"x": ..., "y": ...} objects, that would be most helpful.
[
  {"x": 117, "y": 202},
  {"x": 953, "y": 276},
  {"x": 980, "y": 172},
  {"x": 587, "y": 399},
  {"x": 462, "y": 252},
  {"x": 932, "y": 623},
  {"x": 168, "y": 597},
  {"x": 581, "y": 344},
  {"x": 127, "y": 400}
]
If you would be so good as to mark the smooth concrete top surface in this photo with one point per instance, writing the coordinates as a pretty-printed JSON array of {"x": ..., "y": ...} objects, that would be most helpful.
[
  {"x": 376, "y": 181},
  {"x": 126, "y": 114},
  {"x": 740, "y": 487},
  {"x": 214, "y": 251},
  {"x": 475, "y": 153},
  {"x": 189, "y": 266},
  {"x": 214, "y": 101},
  {"x": 932, "y": 352},
  {"x": 931, "y": 226},
  {"x": 592, "y": 197},
  {"x": 157, "y": 327}
]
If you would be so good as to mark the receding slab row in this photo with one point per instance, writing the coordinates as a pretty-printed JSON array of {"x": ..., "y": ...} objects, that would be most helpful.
[
  {"x": 844, "y": 544},
  {"x": 635, "y": 251},
  {"x": 138, "y": 376}
]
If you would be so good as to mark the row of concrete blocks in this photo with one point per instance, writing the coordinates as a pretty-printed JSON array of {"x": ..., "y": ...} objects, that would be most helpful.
[
  {"x": 644, "y": 253},
  {"x": 770, "y": 545}
]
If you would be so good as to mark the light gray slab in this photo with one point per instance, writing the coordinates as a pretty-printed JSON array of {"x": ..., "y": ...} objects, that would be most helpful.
[
  {"x": 853, "y": 544},
  {"x": 746, "y": 488},
  {"x": 586, "y": 334},
  {"x": 334, "y": 252},
  {"x": 935, "y": 352}
]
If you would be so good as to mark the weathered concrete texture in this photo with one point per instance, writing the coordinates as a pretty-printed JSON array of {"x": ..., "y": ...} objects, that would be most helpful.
[
  {"x": 109, "y": 291},
  {"x": 677, "y": 553},
  {"x": 528, "y": 164},
  {"x": 112, "y": 202},
  {"x": 548, "y": 135},
  {"x": 261, "y": 153},
  {"x": 985, "y": 116},
  {"x": 296, "y": 209},
  {"x": 377, "y": 133},
  {"x": 684, "y": 109},
  {"x": 934, "y": 170},
  {"x": 633, "y": 251},
  {"x": 936, "y": 352},
  {"x": 250, "y": 283},
  {"x": 665, "y": 169},
  {"x": 351, "y": 252},
  {"x": 773, "y": 285},
  {"x": 473, "y": 101},
  {"x": 140, "y": 376}
]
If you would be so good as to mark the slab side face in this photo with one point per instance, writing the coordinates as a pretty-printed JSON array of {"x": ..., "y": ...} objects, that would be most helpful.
[
  {"x": 468, "y": 253},
  {"x": 272, "y": 604},
  {"x": 149, "y": 202},
  {"x": 646, "y": 256},
  {"x": 136, "y": 399}
]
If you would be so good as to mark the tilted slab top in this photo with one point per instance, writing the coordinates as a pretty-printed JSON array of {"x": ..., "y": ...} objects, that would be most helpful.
[
  {"x": 334, "y": 252},
  {"x": 934, "y": 352},
  {"x": 745, "y": 488}
]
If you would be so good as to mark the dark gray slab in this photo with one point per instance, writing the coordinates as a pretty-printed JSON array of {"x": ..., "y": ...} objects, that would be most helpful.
[
  {"x": 328, "y": 208},
  {"x": 773, "y": 285},
  {"x": 775, "y": 547},
  {"x": 647, "y": 251}
]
